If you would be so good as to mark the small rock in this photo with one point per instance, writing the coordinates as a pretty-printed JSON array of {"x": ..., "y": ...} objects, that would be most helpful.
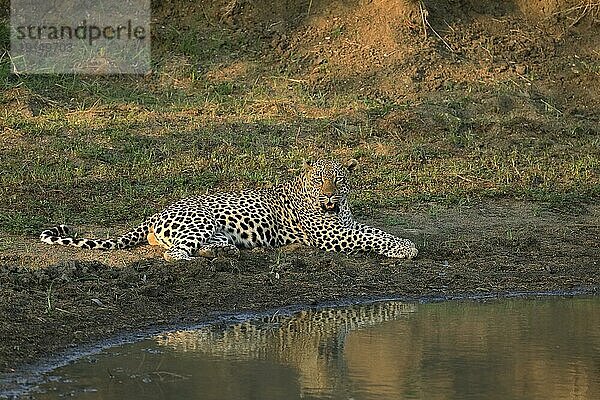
[
  {"x": 521, "y": 69},
  {"x": 97, "y": 302}
]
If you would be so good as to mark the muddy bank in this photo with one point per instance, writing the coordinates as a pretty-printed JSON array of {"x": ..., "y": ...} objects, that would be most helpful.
[{"x": 476, "y": 250}]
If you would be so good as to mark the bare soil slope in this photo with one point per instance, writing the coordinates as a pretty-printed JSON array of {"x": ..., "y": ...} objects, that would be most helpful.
[{"x": 407, "y": 49}]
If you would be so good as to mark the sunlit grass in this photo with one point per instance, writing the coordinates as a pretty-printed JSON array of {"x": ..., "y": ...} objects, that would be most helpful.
[{"x": 108, "y": 150}]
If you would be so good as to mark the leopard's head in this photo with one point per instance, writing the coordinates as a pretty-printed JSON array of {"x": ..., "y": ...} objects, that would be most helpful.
[{"x": 326, "y": 183}]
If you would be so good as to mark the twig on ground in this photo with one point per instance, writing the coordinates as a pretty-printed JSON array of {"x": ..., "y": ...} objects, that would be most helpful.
[{"x": 424, "y": 15}]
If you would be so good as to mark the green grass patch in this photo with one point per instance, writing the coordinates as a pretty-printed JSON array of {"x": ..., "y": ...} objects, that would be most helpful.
[
  {"x": 119, "y": 167},
  {"x": 219, "y": 113}
]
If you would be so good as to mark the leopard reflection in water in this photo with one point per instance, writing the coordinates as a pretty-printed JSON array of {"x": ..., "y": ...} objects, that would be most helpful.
[{"x": 309, "y": 341}]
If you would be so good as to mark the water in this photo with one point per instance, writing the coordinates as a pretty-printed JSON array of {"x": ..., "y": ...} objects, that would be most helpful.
[{"x": 504, "y": 349}]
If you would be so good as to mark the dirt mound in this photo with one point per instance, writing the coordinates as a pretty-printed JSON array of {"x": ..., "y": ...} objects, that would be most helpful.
[{"x": 397, "y": 50}]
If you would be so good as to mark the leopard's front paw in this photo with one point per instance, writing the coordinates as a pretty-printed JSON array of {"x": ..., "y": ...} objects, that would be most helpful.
[
  {"x": 405, "y": 249},
  {"x": 411, "y": 253}
]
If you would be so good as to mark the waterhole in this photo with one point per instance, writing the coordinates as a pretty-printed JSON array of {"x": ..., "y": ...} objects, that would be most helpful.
[{"x": 543, "y": 348}]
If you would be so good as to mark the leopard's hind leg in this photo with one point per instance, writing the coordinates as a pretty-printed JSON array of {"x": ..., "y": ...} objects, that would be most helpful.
[
  {"x": 184, "y": 244},
  {"x": 219, "y": 245},
  {"x": 191, "y": 242}
]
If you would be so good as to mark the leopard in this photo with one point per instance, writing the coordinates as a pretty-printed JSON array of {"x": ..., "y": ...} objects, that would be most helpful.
[{"x": 309, "y": 210}]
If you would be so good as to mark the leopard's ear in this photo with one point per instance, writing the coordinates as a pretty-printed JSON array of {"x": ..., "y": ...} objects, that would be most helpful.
[
  {"x": 351, "y": 164},
  {"x": 307, "y": 165}
]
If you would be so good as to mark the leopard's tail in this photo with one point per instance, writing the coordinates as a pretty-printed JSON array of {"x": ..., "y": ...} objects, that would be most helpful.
[{"x": 62, "y": 235}]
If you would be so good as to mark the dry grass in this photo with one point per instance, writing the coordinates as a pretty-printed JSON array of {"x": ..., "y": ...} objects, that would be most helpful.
[{"x": 582, "y": 9}]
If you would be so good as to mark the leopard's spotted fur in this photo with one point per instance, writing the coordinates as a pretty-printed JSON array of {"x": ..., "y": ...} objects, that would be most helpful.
[{"x": 311, "y": 210}]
